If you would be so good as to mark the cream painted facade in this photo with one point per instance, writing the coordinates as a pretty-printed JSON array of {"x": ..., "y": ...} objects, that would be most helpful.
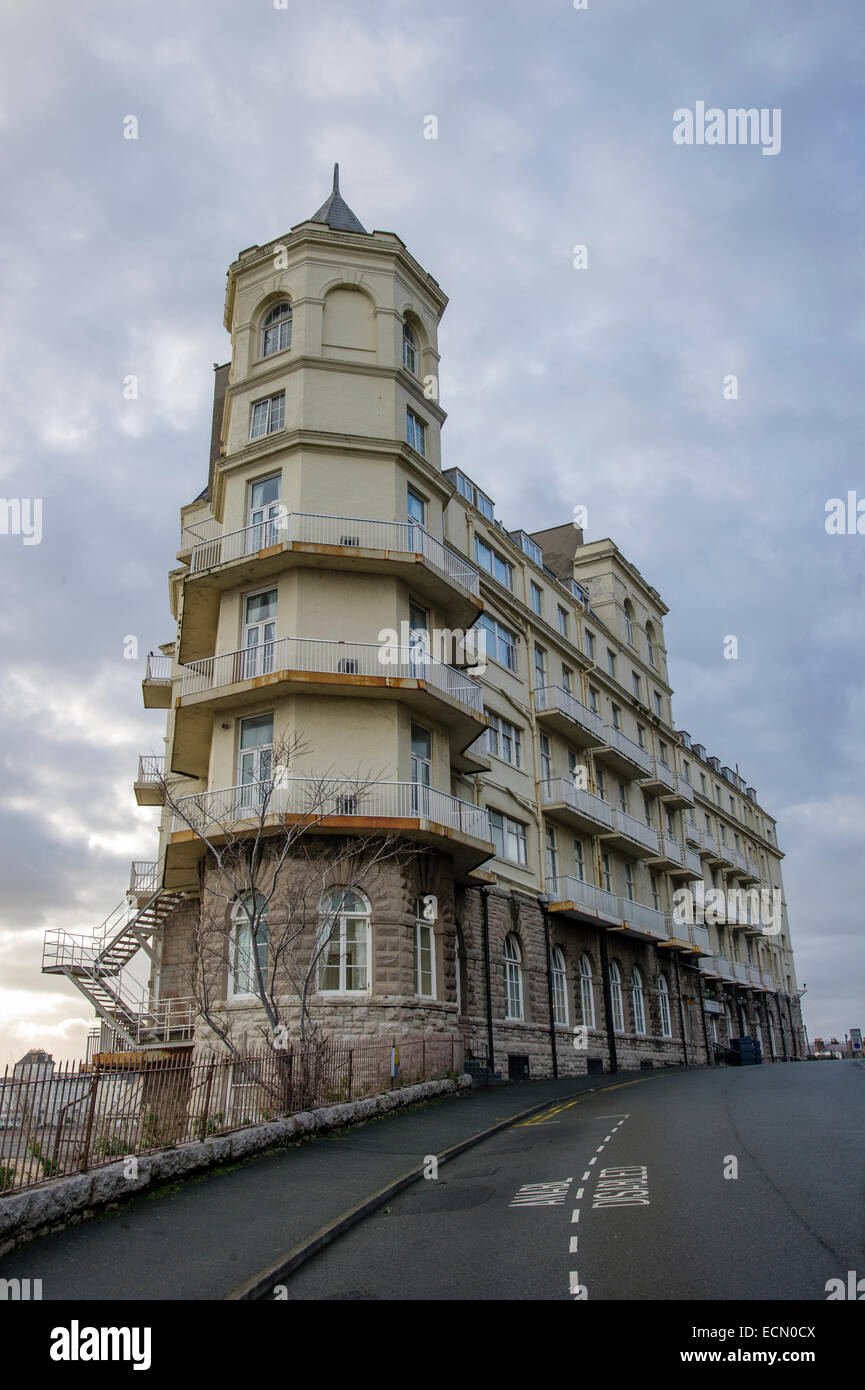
[{"x": 560, "y": 807}]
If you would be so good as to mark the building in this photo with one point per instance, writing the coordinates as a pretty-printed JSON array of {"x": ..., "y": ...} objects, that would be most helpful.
[{"x": 558, "y": 808}]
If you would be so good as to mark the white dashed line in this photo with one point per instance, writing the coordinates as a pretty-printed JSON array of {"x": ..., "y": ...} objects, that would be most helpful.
[
  {"x": 575, "y": 1214},
  {"x": 580, "y": 1191},
  {"x": 593, "y": 1160},
  {"x": 586, "y": 1176},
  {"x": 599, "y": 1149},
  {"x": 575, "y": 1240}
]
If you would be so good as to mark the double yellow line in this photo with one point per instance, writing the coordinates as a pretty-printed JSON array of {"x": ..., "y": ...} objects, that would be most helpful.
[{"x": 547, "y": 1115}]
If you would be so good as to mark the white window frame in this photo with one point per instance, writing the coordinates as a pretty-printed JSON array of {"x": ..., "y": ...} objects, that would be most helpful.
[
  {"x": 664, "y": 1005},
  {"x": 336, "y": 924},
  {"x": 559, "y": 974},
  {"x": 415, "y": 432},
  {"x": 278, "y": 323},
  {"x": 509, "y": 833},
  {"x": 424, "y": 927},
  {"x": 513, "y": 961},
  {"x": 270, "y": 412},
  {"x": 587, "y": 992},
  {"x": 240, "y": 941},
  {"x": 616, "y": 998},
  {"x": 409, "y": 347},
  {"x": 638, "y": 1002}
]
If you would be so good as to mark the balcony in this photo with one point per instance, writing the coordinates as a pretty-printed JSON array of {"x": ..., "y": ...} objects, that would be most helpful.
[
  {"x": 694, "y": 835},
  {"x": 751, "y": 871},
  {"x": 403, "y": 549},
  {"x": 557, "y": 709},
  {"x": 623, "y": 755},
  {"x": 148, "y": 782},
  {"x": 723, "y": 856},
  {"x": 721, "y": 967},
  {"x": 699, "y": 938},
  {"x": 739, "y": 860},
  {"x": 325, "y": 806},
  {"x": 581, "y": 809},
  {"x": 647, "y": 921},
  {"x": 740, "y": 972},
  {"x": 661, "y": 779},
  {"x": 693, "y": 863},
  {"x": 681, "y": 794},
  {"x": 753, "y": 974},
  {"x": 156, "y": 686},
  {"x": 144, "y": 878},
  {"x": 708, "y": 845},
  {"x": 632, "y": 836},
  {"x": 310, "y": 666},
  {"x": 576, "y": 899},
  {"x": 669, "y": 854}
]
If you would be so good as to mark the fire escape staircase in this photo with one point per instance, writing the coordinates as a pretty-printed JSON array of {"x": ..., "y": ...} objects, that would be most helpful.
[{"x": 95, "y": 965}]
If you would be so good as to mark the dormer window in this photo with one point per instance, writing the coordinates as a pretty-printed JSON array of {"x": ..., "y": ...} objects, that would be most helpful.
[
  {"x": 409, "y": 348},
  {"x": 276, "y": 329}
]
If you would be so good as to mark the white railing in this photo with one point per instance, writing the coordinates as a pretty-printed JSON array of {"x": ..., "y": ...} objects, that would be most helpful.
[
  {"x": 693, "y": 862},
  {"x": 699, "y": 936},
  {"x": 151, "y": 767},
  {"x": 560, "y": 790},
  {"x": 709, "y": 842},
  {"x": 646, "y": 918},
  {"x": 316, "y": 798},
  {"x": 660, "y": 772},
  {"x": 158, "y": 668},
  {"x": 739, "y": 860},
  {"x": 208, "y": 529},
  {"x": 694, "y": 834},
  {"x": 614, "y": 738},
  {"x": 166, "y": 1019},
  {"x": 567, "y": 889},
  {"x": 144, "y": 877},
  {"x": 357, "y": 533},
  {"x": 723, "y": 967},
  {"x": 634, "y": 829},
  {"x": 740, "y": 971},
  {"x": 332, "y": 658},
  {"x": 753, "y": 974},
  {"x": 670, "y": 848},
  {"x": 684, "y": 789},
  {"x": 554, "y": 697}
]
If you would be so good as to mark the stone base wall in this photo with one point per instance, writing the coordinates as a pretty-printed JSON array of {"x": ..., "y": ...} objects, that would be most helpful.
[{"x": 654, "y": 1016}]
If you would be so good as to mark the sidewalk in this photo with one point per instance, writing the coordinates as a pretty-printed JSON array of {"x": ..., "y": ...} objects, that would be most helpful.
[{"x": 214, "y": 1234}]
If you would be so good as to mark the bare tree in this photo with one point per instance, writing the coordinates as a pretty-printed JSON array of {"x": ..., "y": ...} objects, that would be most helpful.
[{"x": 268, "y": 868}]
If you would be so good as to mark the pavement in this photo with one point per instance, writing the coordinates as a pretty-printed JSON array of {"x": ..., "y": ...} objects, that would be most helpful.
[{"x": 211, "y": 1237}]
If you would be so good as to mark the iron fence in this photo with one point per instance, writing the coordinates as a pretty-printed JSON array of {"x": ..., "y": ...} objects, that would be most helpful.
[{"x": 59, "y": 1120}]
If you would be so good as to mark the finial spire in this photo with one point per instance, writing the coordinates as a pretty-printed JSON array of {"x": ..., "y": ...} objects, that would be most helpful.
[
  {"x": 336, "y": 178},
  {"x": 336, "y": 213}
]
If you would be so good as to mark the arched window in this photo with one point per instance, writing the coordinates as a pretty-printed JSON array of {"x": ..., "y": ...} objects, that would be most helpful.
[
  {"x": 728, "y": 1019},
  {"x": 664, "y": 1002},
  {"x": 276, "y": 329},
  {"x": 343, "y": 942},
  {"x": 513, "y": 978},
  {"x": 638, "y": 1002},
  {"x": 424, "y": 950},
  {"x": 409, "y": 347},
  {"x": 629, "y": 620},
  {"x": 587, "y": 993},
  {"x": 248, "y": 921},
  {"x": 650, "y": 639},
  {"x": 560, "y": 987},
  {"x": 616, "y": 998}
]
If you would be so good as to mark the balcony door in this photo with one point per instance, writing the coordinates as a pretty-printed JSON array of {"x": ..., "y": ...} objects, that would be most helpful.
[
  {"x": 264, "y": 513},
  {"x": 259, "y": 634},
  {"x": 255, "y": 762},
  {"x": 419, "y": 640},
  {"x": 421, "y": 770}
]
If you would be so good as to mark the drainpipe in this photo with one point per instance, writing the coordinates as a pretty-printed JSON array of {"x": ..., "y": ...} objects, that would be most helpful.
[
  {"x": 710, "y": 1055},
  {"x": 781, "y": 1025},
  {"x": 542, "y": 903},
  {"x": 792, "y": 1028},
  {"x": 681, "y": 1010},
  {"x": 486, "y": 933},
  {"x": 608, "y": 999}
]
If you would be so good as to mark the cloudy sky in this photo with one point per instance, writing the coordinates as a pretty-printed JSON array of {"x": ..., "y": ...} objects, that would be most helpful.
[{"x": 601, "y": 386}]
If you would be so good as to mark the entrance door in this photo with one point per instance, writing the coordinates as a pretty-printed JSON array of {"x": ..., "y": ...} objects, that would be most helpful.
[{"x": 255, "y": 762}]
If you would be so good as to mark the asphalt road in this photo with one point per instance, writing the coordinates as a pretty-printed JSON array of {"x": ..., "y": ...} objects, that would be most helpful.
[{"x": 631, "y": 1194}]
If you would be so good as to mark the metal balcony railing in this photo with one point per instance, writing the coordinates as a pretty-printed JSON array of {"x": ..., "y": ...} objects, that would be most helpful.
[
  {"x": 151, "y": 768},
  {"x": 739, "y": 859},
  {"x": 331, "y": 658},
  {"x": 646, "y": 918},
  {"x": 558, "y": 790},
  {"x": 158, "y": 668},
  {"x": 348, "y": 531},
  {"x": 698, "y": 936},
  {"x": 316, "y": 798},
  {"x": 684, "y": 788},
  {"x": 661, "y": 772},
  {"x": 634, "y": 829},
  {"x": 693, "y": 862},
  {"x": 554, "y": 697},
  {"x": 670, "y": 848},
  {"x": 144, "y": 877},
  {"x": 614, "y": 738},
  {"x": 566, "y": 888}
]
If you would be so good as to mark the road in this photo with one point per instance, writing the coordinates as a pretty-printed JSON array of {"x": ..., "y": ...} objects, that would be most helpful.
[{"x": 732, "y": 1183}]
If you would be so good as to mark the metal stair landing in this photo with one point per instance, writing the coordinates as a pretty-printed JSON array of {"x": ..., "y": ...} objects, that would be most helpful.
[{"x": 95, "y": 964}]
